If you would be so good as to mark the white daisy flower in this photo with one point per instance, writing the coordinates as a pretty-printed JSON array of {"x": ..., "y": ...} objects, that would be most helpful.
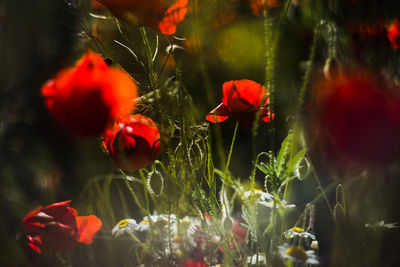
[
  {"x": 279, "y": 205},
  {"x": 298, "y": 254},
  {"x": 187, "y": 225},
  {"x": 143, "y": 225},
  {"x": 260, "y": 195},
  {"x": 298, "y": 232},
  {"x": 314, "y": 245},
  {"x": 124, "y": 226},
  {"x": 159, "y": 221},
  {"x": 267, "y": 199}
]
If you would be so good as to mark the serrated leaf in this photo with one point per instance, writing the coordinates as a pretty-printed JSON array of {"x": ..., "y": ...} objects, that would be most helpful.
[
  {"x": 280, "y": 160},
  {"x": 294, "y": 162},
  {"x": 266, "y": 169}
]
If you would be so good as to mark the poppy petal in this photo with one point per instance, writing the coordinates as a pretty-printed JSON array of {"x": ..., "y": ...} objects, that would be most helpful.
[
  {"x": 133, "y": 142},
  {"x": 84, "y": 99},
  {"x": 28, "y": 217},
  {"x": 88, "y": 226},
  {"x": 265, "y": 115},
  {"x": 34, "y": 243},
  {"x": 245, "y": 95},
  {"x": 219, "y": 114},
  {"x": 173, "y": 16},
  {"x": 194, "y": 263}
]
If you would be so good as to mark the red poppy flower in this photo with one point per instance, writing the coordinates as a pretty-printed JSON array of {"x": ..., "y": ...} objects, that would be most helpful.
[
  {"x": 194, "y": 263},
  {"x": 86, "y": 98},
  {"x": 355, "y": 119},
  {"x": 133, "y": 142},
  {"x": 158, "y": 14},
  {"x": 393, "y": 33},
  {"x": 57, "y": 228},
  {"x": 241, "y": 99}
]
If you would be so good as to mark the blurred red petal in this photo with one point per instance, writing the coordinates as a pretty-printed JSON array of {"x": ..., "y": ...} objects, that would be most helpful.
[
  {"x": 88, "y": 226},
  {"x": 84, "y": 99},
  {"x": 194, "y": 263},
  {"x": 173, "y": 16},
  {"x": 32, "y": 213},
  {"x": 393, "y": 33}
]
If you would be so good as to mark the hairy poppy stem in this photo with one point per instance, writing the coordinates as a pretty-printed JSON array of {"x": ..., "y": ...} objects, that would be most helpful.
[
  {"x": 133, "y": 194},
  {"x": 307, "y": 75}
]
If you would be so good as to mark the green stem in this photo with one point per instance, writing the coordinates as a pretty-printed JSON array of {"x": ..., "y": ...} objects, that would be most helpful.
[
  {"x": 321, "y": 189},
  {"x": 207, "y": 84},
  {"x": 273, "y": 221},
  {"x": 307, "y": 77},
  {"x": 61, "y": 259},
  {"x": 231, "y": 148}
]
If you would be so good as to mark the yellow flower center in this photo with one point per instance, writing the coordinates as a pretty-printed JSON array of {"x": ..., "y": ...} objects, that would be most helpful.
[
  {"x": 277, "y": 204},
  {"x": 297, "y": 229},
  {"x": 145, "y": 222},
  {"x": 123, "y": 224},
  {"x": 176, "y": 238},
  {"x": 297, "y": 252}
]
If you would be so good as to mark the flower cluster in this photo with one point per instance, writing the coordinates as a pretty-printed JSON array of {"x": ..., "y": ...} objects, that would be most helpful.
[
  {"x": 176, "y": 237},
  {"x": 58, "y": 227}
]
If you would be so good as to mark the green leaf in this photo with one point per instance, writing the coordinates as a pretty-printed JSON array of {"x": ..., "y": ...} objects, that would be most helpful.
[
  {"x": 219, "y": 172},
  {"x": 280, "y": 161},
  {"x": 293, "y": 164},
  {"x": 266, "y": 169}
]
